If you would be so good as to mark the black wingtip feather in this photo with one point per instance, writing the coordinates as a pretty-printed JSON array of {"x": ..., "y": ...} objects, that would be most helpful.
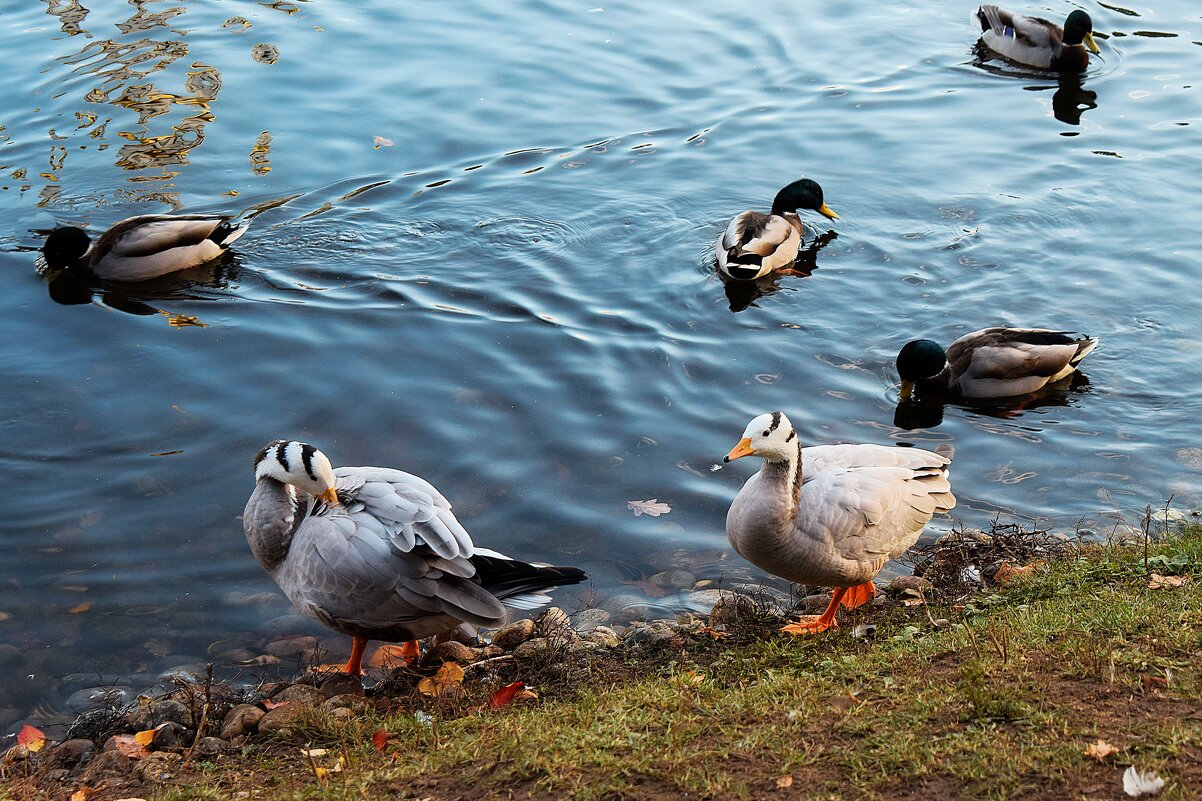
[{"x": 505, "y": 577}]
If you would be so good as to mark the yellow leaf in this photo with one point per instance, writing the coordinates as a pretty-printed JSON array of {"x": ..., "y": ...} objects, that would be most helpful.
[
  {"x": 81, "y": 608},
  {"x": 144, "y": 737},
  {"x": 315, "y": 752},
  {"x": 31, "y": 737},
  {"x": 449, "y": 675},
  {"x": 1159, "y": 582},
  {"x": 81, "y": 794},
  {"x": 784, "y": 782},
  {"x": 1100, "y": 750}
]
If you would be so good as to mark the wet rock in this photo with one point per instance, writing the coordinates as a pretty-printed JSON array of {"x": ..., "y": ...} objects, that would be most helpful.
[
  {"x": 283, "y": 719},
  {"x": 628, "y": 606},
  {"x": 513, "y": 635},
  {"x": 149, "y": 716},
  {"x": 452, "y": 651},
  {"x": 292, "y": 645},
  {"x": 674, "y": 579},
  {"x": 241, "y": 719},
  {"x": 341, "y": 684},
  {"x": 535, "y": 648},
  {"x": 491, "y": 651},
  {"x": 916, "y": 584},
  {"x": 170, "y": 736},
  {"x": 189, "y": 672},
  {"x": 157, "y": 768},
  {"x": 300, "y": 695},
  {"x": 587, "y": 620},
  {"x": 68, "y": 753},
  {"x": 554, "y": 624},
  {"x": 656, "y": 632},
  {"x": 91, "y": 698},
  {"x": 604, "y": 636},
  {"x": 350, "y": 701},
  {"x": 245, "y": 656}
]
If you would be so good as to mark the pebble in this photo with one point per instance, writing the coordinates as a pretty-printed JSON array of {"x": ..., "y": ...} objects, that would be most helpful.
[
  {"x": 731, "y": 607},
  {"x": 554, "y": 624},
  {"x": 513, "y": 635},
  {"x": 95, "y": 697},
  {"x": 533, "y": 648},
  {"x": 281, "y": 719},
  {"x": 356, "y": 703},
  {"x": 240, "y": 720},
  {"x": 588, "y": 620},
  {"x": 158, "y": 767},
  {"x": 68, "y": 753},
  {"x": 149, "y": 716},
  {"x": 604, "y": 636},
  {"x": 299, "y": 695},
  {"x": 211, "y": 746},
  {"x": 452, "y": 651},
  {"x": 170, "y": 735},
  {"x": 656, "y": 632},
  {"x": 674, "y": 579},
  {"x": 912, "y": 583},
  {"x": 341, "y": 684}
]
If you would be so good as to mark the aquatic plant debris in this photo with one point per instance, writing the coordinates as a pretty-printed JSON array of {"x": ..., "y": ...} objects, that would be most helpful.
[{"x": 652, "y": 507}]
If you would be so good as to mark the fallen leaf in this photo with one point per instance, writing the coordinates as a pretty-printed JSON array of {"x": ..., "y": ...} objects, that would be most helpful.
[
  {"x": 449, "y": 675},
  {"x": 270, "y": 705},
  {"x": 388, "y": 655},
  {"x": 911, "y": 601},
  {"x": 784, "y": 782},
  {"x": 144, "y": 737},
  {"x": 1137, "y": 783},
  {"x": 126, "y": 745},
  {"x": 81, "y": 608},
  {"x": 380, "y": 739},
  {"x": 31, "y": 737},
  {"x": 380, "y": 142},
  {"x": 1007, "y": 571},
  {"x": 312, "y": 753},
  {"x": 81, "y": 794},
  {"x": 1153, "y": 682},
  {"x": 503, "y": 697},
  {"x": 1100, "y": 750},
  {"x": 713, "y": 633},
  {"x": 652, "y": 507},
  {"x": 1159, "y": 582}
]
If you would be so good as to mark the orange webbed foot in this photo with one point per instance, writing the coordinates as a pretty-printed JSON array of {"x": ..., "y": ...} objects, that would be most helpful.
[
  {"x": 410, "y": 652},
  {"x": 809, "y": 624},
  {"x": 858, "y": 595}
]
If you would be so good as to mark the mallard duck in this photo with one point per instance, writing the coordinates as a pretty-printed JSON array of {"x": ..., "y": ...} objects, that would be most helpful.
[
  {"x": 831, "y": 515},
  {"x": 991, "y": 363},
  {"x": 755, "y": 244},
  {"x": 1037, "y": 42},
  {"x": 142, "y": 248},
  {"x": 376, "y": 553}
]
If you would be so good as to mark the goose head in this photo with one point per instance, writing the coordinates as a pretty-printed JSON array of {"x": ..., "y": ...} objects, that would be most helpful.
[
  {"x": 300, "y": 465},
  {"x": 770, "y": 436},
  {"x": 803, "y": 194},
  {"x": 65, "y": 247},
  {"x": 922, "y": 358}
]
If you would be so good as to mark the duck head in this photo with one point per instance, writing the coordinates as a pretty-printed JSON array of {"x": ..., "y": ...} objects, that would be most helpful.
[
  {"x": 65, "y": 247},
  {"x": 803, "y": 194},
  {"x": 300, "y": 465},
  {"x": 1078, "y": 29},
  {"x": 917, "y": 360},
  {"x": 770, "y": 436}
]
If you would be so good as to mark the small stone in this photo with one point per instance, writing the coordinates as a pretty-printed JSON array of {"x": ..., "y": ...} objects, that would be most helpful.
[
  {"x": 534, "y": 648},
  {"x": 295, "y": 645},
  {"x": 211, "y": 746},
  {"x": 628, "y": 606},
  {"x": 149, "y": 716},
  {"x": 588, "y": 620},
  {"x": 107, "y": 765},
  {"x": 583, "y": 647},
  {"x": 340, "y": 684},
  {"x": 241, "y": 719},
  {"x": 342, "y": 713},
  {"x": 554, "y": 623},
  {"x": 68, "y": 753},
  {"x": 674, "y": 579},
  {"x": 351, "y": 701},
  {"x": 656, "y": 632},
  {"x": 158, "y": 767},
  {"x": 514, "y": 634},
  {"x": 170, "y": 735},
  {"x": 300, "y": 695},
  {"x": 282, "y": 719},
  {"x": 452, "y": 651},
  {"x": 491, "y": 651},
  {"x": 913, "y": 583},
  {"x": 731, "y": 607},
  {"x": 603, "y": 636},
  {"x": 813, "y": 603},
  {"x": 241, "y": 656}
]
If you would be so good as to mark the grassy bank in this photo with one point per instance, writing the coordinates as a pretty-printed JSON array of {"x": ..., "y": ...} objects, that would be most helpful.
[{"x": 995, "y": 698}]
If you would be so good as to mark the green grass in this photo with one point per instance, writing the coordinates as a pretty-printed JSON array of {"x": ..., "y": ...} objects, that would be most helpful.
[{"x": 1000, "y": 703}]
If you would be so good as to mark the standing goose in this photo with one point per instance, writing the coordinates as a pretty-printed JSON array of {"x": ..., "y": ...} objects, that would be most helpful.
[
  {"x": 991, "y": 363},
  {"x": 831, "y": 515},
  {"x": 1037, "y": 42},
  {"x": 376, "y": 554},
  {"x": 755, "y": 244},
  {"x": 144, "y": 247}
]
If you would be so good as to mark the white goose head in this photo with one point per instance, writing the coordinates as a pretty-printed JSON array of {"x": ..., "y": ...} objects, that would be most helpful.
[
  {"x": 770, "y": 436},
  {"x": 300, "y": 465}
]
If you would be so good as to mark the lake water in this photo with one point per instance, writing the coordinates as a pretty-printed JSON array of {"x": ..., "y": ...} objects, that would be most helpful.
[{"x": 482, "y": 252}]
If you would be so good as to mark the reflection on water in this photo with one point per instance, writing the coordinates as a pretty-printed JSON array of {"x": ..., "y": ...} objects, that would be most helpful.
[
  {"x": 1070, "y": 100},
  {"x": 742, "y": 294},
  {"x": 927, "y": 412}
]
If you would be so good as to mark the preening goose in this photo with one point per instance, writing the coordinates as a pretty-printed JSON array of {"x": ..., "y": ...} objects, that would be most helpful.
[
  {"x": 144, "y": 247},
  {"x": 991, "y": 363},
  {"x": 376, "y": 553},
  {"x": 755, "y": 244},
  {"x": 831, "y": 515},
  {"x": 1037, "y": 42}
]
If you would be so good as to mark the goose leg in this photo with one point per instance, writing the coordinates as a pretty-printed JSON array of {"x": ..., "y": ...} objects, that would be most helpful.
[
  {"x": 411, "y": 651},
  {"x": 859, "y": 595},
  {"x": 354, "y": 665},
  {"x": 812, "y": 624}
]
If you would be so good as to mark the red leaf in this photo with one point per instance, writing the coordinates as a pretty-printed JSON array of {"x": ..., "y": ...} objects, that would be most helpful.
[
  {"x": 503, "y": 696},
  {"x": 31, "y": 737},
  {"x": 380, "y": 739}
]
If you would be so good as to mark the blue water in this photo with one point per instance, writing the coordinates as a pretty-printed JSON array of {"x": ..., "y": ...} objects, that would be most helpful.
[{"x": 481, "y": 251}]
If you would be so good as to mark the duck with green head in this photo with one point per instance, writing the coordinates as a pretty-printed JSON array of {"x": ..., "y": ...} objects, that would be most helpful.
[
  {"x": 1035, "y": 41},
  {"x": 755, "y": 244}
]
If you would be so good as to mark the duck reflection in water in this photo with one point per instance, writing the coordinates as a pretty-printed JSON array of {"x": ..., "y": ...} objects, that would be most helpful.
[
  {"x": 918, "y": 412},
  {"x": 742, "y": 294},
  {"x": 1070, "y": 100}
]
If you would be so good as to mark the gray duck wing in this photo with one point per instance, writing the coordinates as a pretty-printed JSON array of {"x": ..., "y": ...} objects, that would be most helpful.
[{"x": 138, "y": 237}]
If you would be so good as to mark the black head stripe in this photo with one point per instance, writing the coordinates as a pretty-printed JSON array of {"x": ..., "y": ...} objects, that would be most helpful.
[
  {"x": 281, "y": 455},
  {"x": 775, "y": 421},
  {"x": 307, "y": 452},
  {"x": 792, "y": 433},
  {"x": 262, "y": 454}
]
